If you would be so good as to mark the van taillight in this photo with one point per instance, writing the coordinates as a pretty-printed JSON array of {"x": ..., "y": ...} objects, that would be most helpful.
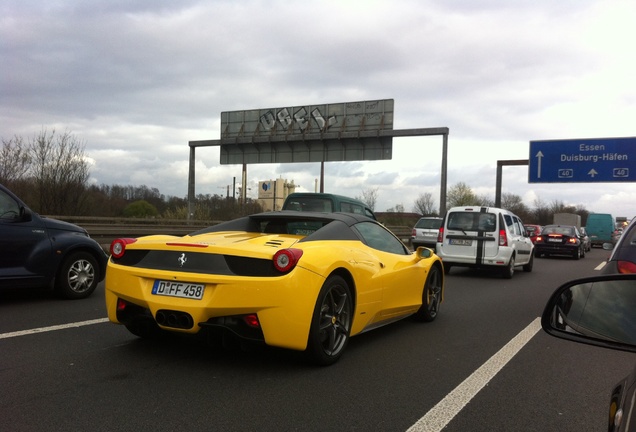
[
  {"x": 440, "y": 235},
  {"x": 503, "y": 238}
]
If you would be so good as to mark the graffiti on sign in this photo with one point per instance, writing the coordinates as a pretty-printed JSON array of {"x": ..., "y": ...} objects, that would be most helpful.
[
  {"x": 300, "y": 118},
  {"x": 307, "y": 119}
]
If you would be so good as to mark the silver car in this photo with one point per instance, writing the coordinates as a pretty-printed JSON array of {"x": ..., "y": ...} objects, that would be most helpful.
[{"x": 425, "y": 232}]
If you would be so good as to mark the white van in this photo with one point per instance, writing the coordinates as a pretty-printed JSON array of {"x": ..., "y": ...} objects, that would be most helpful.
[{"x": 484, "y": 237}]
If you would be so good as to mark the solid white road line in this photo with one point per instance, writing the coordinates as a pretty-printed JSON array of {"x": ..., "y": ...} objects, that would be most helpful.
[
  {"x": 442, "y": 413},
  {"x": 52, "y": 328}
]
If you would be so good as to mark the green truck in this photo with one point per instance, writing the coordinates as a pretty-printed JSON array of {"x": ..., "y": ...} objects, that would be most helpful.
[{"x": 600, "y": 228}]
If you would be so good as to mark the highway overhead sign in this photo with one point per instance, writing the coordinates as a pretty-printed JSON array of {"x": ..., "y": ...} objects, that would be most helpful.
[
  {"x": 592, "y": 160},
  {"x": 348, "y": 131}
]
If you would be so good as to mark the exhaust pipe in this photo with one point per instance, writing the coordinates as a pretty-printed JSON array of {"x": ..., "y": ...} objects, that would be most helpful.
[{"x": 174, "y": 319}]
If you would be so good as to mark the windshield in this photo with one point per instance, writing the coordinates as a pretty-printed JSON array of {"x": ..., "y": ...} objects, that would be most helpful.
[
  {"x": 468, "y": 221},
  {"x": 428, "y": 223}
]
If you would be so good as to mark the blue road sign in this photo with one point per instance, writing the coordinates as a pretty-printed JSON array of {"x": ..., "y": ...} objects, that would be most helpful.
[{"x": 593, "y": 160}]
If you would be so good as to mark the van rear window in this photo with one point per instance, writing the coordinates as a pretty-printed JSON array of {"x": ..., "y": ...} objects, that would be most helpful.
[
  {"x": 351, "y": 208},
  {"x": 310, "y": 204},
  {"x": 469, "y": 221}
]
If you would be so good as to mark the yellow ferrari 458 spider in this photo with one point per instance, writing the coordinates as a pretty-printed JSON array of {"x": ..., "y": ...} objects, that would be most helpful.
[{"x": 299, "y": 280}]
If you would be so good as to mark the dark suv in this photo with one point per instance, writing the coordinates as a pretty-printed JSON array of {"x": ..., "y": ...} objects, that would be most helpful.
[
  {"x": 623, "y": 257},
  {"x": 36, "y": 251}
]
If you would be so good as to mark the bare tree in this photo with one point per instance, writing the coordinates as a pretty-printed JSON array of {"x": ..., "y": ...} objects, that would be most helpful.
[
  {"x": 60, "y": 171},
  {"x": 542, "y": 212},
  {"x": 484, "y": 200},
  {"x": 399, "y": 208},
  {"x": 515, "y": 204},
  {"x": 425, "y": 205},
  {"x": 369, "y": 197},
  {"x": 461, "y": 195},
  {"x": 14, "y": 160}
]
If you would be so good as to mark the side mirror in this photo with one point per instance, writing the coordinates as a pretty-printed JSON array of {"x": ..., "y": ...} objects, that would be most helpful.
[
  {"x": 424, "y": 252},
  {"x": 596, "y": 311},
  {"x": 25, "y": 214}
]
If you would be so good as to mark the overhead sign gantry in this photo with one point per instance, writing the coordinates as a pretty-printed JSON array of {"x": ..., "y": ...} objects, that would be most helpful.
[{"x": 348, "y": 131}]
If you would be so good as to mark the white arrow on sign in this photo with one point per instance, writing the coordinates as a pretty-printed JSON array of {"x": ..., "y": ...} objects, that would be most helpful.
[
  {"x": 592, "y": 173},
  {"x": 539, "y": 156}
]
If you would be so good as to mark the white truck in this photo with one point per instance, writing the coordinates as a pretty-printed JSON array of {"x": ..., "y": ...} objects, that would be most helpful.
[{"x": 567, "y": 219}]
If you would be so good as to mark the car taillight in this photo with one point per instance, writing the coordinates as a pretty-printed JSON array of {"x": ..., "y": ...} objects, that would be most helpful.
[
  {"x": 440, "y": 235},
  {"x": 252, "y": 320},
  {"x": 626, "y": 267},
  {"x": 286, "y": 259},
  {"x": 121, "y": 305},
  {"x": 573, "y": 240},
  {"x": 118, "y": 246},
  {"x": 503, "y": 238},
  {"x": 413, "y": 233}
]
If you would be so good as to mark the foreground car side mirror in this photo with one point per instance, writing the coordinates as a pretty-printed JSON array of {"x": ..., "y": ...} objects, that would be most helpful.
[{"x": 599, "y": 311}]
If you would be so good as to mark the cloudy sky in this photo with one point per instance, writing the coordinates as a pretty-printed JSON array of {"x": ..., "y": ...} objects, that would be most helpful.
[{"x": 137, "y": 80}]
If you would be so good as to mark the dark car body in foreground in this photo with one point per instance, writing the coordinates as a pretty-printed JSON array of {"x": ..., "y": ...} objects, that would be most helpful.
[
  {"x": 599, "y": 311},
  {"x": 623, "y": 256},
  {"x": 40, "y": 252},
  {"x": 559, "y": 240},
  {"x": 305, "y": 281}
]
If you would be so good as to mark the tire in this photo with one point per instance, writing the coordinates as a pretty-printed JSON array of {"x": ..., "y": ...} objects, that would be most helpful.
[
  {"x": 528, "y": 267},
  {"x": 509, "y": 270},
  {"x": 577, "y": 254},
  {"x": 331, "y": 322},
  {"x": 78, "y": 276},
  {"x": 431, "y": 296}
]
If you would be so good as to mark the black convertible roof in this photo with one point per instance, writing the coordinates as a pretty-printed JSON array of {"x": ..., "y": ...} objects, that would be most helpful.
[{"x": 324, "y": 226}]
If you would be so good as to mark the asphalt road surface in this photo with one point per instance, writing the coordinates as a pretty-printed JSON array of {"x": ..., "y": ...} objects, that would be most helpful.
[{"x": 483, "y": 365}]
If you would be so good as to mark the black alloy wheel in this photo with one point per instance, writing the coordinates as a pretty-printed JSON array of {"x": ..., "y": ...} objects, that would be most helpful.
[
  {"x": 331, "y": 322},
  {"x": 431, "y": 296}
]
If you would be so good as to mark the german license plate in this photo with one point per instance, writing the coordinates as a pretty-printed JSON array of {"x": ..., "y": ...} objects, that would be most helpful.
[
  {"x": 178, "y": 289},
  {"x": 555, "y": 240},
  {"x": 460, "y": 242}
]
